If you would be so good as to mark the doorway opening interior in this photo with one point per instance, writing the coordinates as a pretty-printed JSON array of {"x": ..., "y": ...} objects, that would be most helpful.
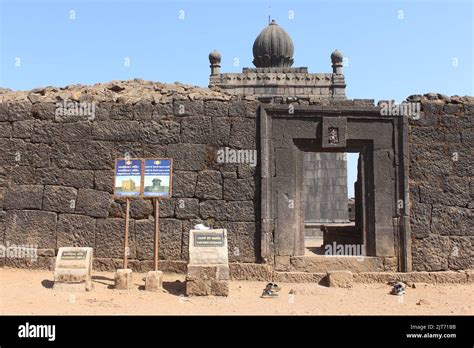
[{"x": 330, "y": 182}]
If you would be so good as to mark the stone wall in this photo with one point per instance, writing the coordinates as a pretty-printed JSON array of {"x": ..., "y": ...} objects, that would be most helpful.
[
  {"x": 441, "y": 183},
  {"x": 56, "y": 173},
  {"x": 325, "y": 187}
]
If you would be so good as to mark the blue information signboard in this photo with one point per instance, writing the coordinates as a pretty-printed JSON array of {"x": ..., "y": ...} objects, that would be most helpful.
[
  {"x": 128, "y": 177},
  {"x": 157, "y": 177}
]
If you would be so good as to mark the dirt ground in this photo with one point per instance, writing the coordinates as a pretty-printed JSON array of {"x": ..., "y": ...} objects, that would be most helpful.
[{"x": 30, "y": 292}]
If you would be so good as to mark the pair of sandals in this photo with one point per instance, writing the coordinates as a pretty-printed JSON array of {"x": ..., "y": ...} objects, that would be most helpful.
[
  {"x": 398, "y": 289},
  {"x": 272, "y": 290}
]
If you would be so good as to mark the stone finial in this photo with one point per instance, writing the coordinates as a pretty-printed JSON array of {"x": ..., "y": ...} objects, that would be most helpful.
[
  {"x": 215, "y": 60},
  {"x": 336, "y": 59}
]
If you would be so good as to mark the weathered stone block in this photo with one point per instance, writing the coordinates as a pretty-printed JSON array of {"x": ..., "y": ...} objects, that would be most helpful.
[
  {"x": 319, "y": 264},
  {"x": 243, "y": 133},
  {"x": 104, "y": 180},
  {"x": 216, "y": 108},
  {"x": 453, "y": 221},
  {"x": 188, "y": 156},
  {"x": 219, "y": 288},
  {"x": 5, "y": 130},
  {"x": 140, "y": 208},
  {"x": 44, "y": 110},
  {"x": 76, "y": 231},
  {"x": 92, "y": 203},
  {"x": 160, "y": 132},
  {"x": 110, "y": 237},
  {"x": 340, "y": 279},
  {"x": 18, "y": 111},
  {"x": 240, "y": 108},
  {"x": 123, "y": 279},
  {"x": 238, "y": 189},
  {"x": 40, "y": 155},
  {"x": 250, "y": 271},
  {"x": 198, "y": 287},
  {"x": 76, "y": 178},
  {"x": 187, "y": 208},
  {"x": 213, "y": 209},
  {"x": 31, "y": 227},
  {"x": 96, "y": 155},
  {"x": 420, "y": 220},
  {"x": 240, "y": 211},
  {"x": 119, "y": 111},
  {"x": 184, "y": 183},
  {"x": 116, "y": 130},
  {"x": 188, "y": 108},
  {"x": 430, "y": 253},
  {"x": 24, "y": 197},
  {"x": 23, "y": 129},
  {"x": 170, "y": 241},
  {"x": 59, "y": 199},
  {"x": 207, "y": 280},
  {"x": 76, "y": 131},
  {"x": 46, "y": 132},
  {"x": 154, "y": 281},
  {"x": 450, "y": 277},
  {"x": 209, "y": 185},
  {"x": 22, "y": 175},
  {"x": 461, "y": 255},
  {"x": 220, "y": 131},
  {"x": 196, "y": 129}
]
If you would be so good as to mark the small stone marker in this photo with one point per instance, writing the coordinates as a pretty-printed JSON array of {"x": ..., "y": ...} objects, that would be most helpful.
[
  {"x": 123, "y": 279},
  {"x": 208, "y": 267},
  {"x": 73, "y": 269},
  {"x": 154, "y": 281},
  {"x": 340, "y": 279}
]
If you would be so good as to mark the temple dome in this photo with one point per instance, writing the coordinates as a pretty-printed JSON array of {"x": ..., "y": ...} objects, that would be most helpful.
[{"x": 273, "y": 47}]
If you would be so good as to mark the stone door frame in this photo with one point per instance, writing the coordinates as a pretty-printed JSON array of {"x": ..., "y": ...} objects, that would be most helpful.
[{"x": 283, "y": 131}]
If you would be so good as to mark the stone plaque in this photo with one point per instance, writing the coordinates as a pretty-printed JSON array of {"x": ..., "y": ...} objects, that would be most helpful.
[
  {"x": 208, "y": 267},
  {"x": 74, "y": 255},
  {"x": 73, "y": 269},
  {"x": 208, "y": 247},
  {"x": 208, "y": 239}
]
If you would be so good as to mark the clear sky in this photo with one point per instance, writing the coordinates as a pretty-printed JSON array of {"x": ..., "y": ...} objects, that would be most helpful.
[{"x": 393, "y": 48}]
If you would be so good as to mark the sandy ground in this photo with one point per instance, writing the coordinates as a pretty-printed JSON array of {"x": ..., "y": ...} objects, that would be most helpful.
[{"x": 29, "y": 292}]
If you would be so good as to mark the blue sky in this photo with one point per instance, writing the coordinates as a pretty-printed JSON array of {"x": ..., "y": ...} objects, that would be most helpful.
[{"x": 394, "y": 48}]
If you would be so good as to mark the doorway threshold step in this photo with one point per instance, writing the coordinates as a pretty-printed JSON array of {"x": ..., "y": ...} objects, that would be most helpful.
[{"x": 318, "y": 264}]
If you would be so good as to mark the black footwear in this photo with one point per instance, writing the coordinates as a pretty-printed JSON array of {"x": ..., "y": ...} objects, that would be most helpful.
[
  {"x": 267, "y": 293},
  {"x": 398, "y": 289},
  {"x": 273, "y": 287}
]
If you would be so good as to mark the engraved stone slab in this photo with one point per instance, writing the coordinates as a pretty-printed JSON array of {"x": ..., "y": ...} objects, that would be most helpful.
[
  {"x": 208, "y": 267},
  {"x": 73, "y": 269},
  {"x": 208, "y": 247}
]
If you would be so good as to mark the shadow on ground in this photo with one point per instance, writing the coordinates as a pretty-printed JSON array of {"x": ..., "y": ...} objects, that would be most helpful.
[
  {"x": 176, "y": 288},
  {"x": 48, "y": 284}
]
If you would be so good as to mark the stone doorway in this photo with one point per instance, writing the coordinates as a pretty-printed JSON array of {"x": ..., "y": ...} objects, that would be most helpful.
[
  {"x": 331, "y": 205},
  {"x": 383, "y": 221}
]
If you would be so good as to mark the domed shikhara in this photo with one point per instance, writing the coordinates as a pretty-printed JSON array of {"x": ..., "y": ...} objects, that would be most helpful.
[{"x": 273, "y": 47}]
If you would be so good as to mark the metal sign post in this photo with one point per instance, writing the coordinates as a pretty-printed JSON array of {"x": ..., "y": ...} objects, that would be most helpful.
[
  {"x": 125, "y": 241},
  {"x": 157, "y": 233}
]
